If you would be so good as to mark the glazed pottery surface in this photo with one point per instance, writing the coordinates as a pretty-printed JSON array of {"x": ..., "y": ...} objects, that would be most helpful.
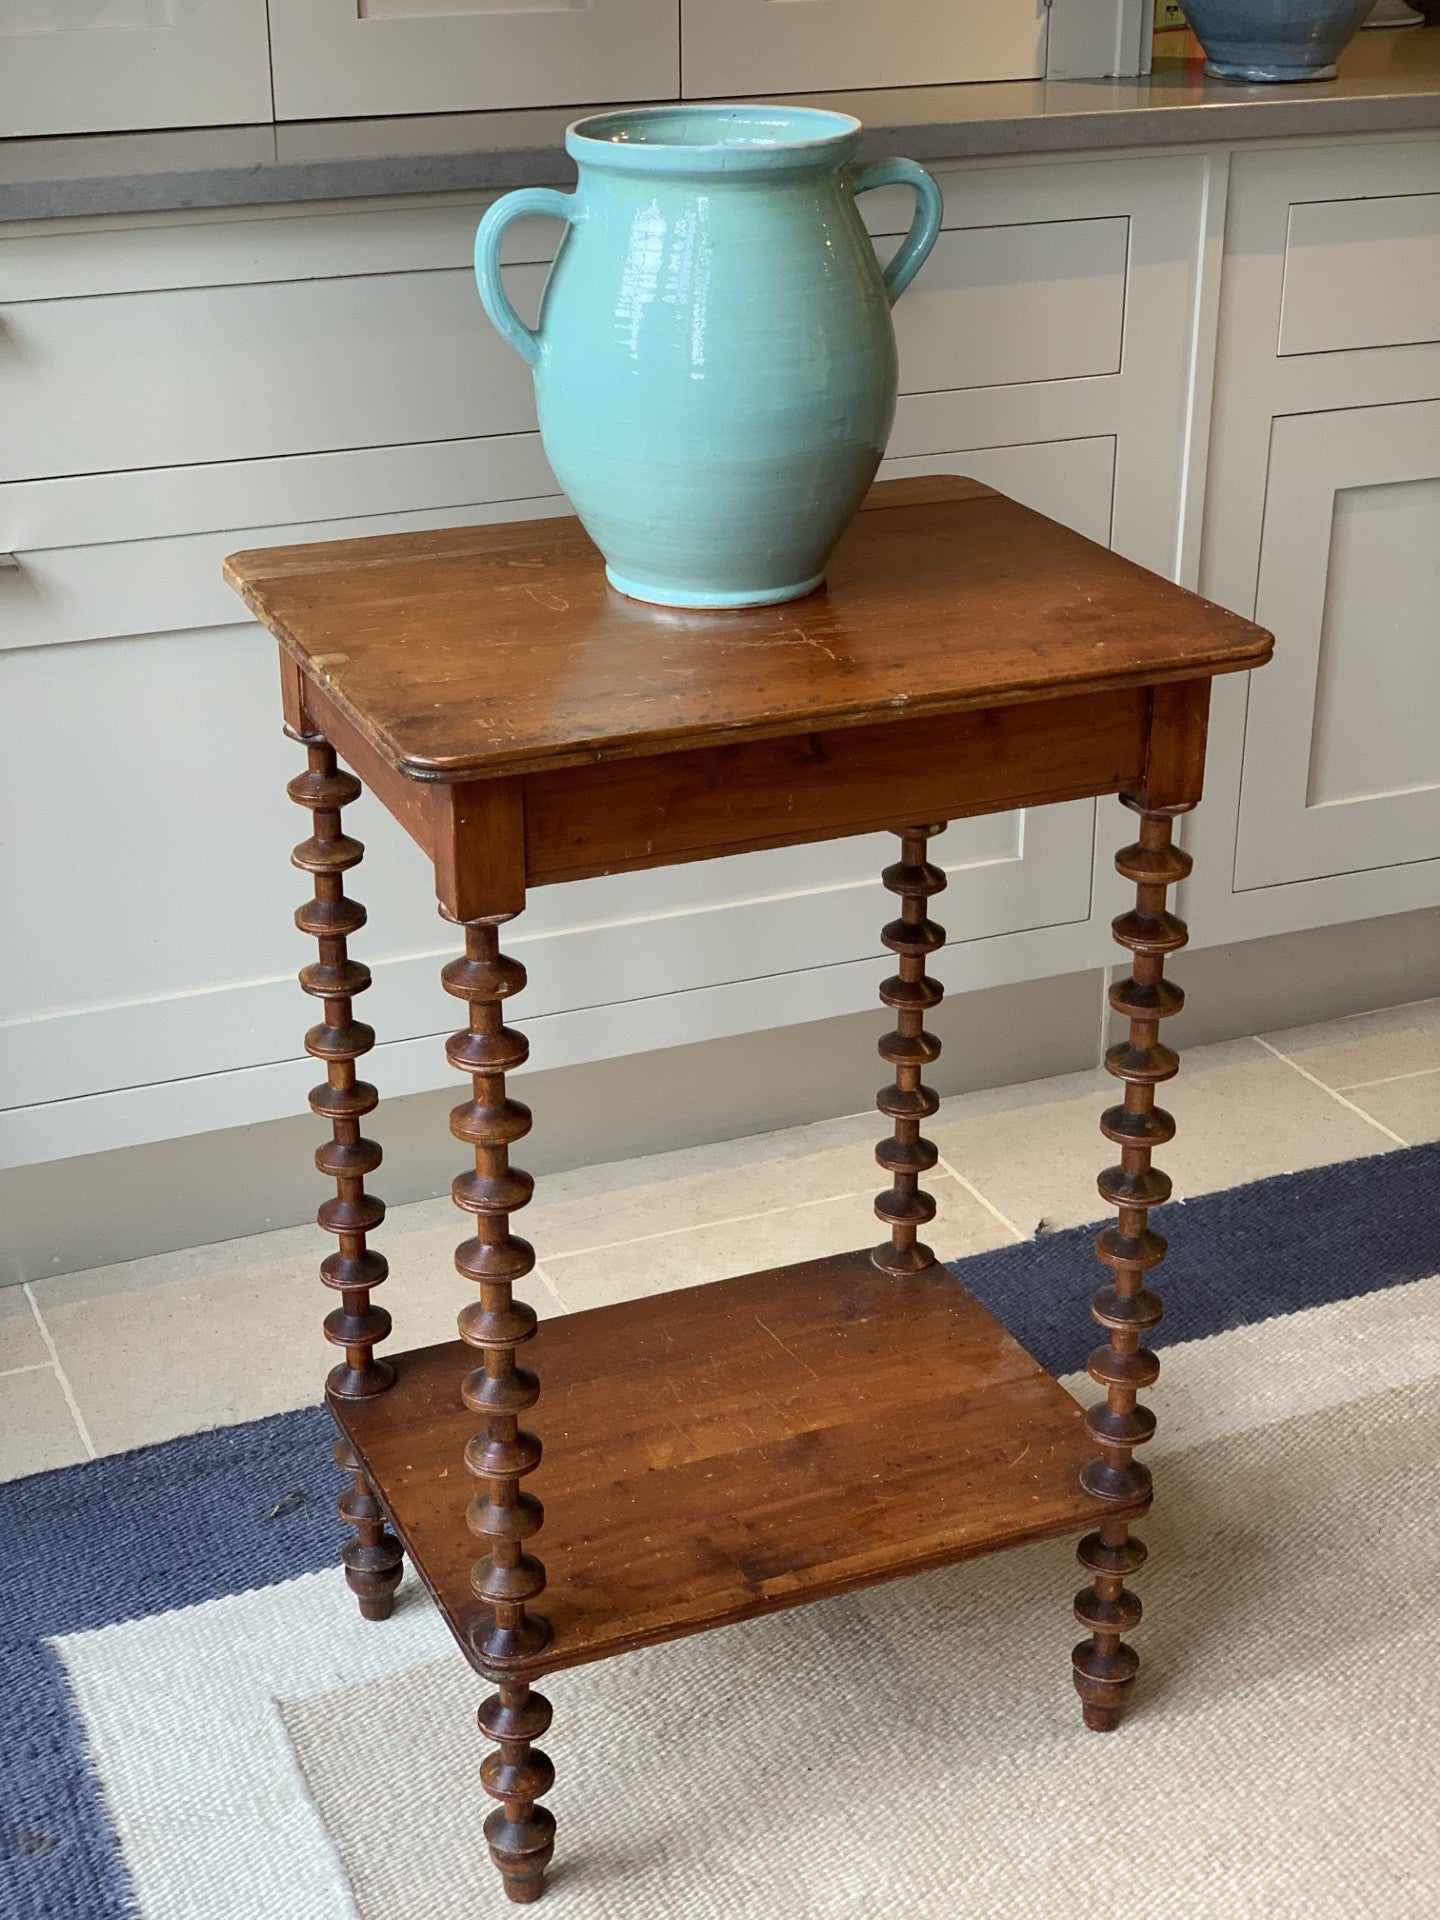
[
  {"x": 714, "y": 361},
  {"x": 1275, "y": 40}
]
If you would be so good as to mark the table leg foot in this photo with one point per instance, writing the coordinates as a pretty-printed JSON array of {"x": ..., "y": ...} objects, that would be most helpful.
[
  {"x": 520, "y": 1834},
  {"x": 374, "y": 1562},
  {"x": 1104, "y": 1664}
]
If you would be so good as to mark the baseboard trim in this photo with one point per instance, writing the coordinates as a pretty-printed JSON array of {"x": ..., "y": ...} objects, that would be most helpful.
[{"x": 62, "y": 1216}]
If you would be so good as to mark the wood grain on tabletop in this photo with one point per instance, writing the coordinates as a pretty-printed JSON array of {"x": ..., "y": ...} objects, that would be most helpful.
[
  {"x": 725, "y": 1450},
  {"x": 496, "y": 649}
]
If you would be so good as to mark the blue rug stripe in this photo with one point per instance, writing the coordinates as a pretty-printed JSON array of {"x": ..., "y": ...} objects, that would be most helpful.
[
  {"x": 242, "y": 1507},
  {"x": 1236, "y": 1257},
  {"x": 117, "y": 1539}
]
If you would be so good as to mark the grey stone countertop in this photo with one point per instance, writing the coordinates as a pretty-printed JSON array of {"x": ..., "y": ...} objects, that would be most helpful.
[{"x": 1389, "y": 82}]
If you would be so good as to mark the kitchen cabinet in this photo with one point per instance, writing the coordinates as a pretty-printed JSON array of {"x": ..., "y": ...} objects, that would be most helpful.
[
  {"x": 1341, "y": 768},
  {"x": 78, "y": 66},
  {"x": 1322, "y": 521},
  {"x": 176, "y": 389},
  {"x": 92, "y": 66}
]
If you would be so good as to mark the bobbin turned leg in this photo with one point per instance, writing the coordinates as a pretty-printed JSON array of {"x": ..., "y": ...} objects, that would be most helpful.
[
  {"x": 373, "y": 1562},
  {"x": 521, "y": 1835},
  {"x": 1105, "y": 1666},
  {"x": 902, "y": 1206}
]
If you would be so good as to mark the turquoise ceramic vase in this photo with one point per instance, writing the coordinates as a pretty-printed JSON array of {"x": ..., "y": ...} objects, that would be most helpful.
[{"x": 714, "y": 360}]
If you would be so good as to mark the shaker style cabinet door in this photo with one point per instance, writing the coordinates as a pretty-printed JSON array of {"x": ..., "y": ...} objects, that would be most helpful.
[
  {"x": 1342, "y": 747},
  {"x": 102, "y": 66},
  {"x": 781, "y": 46},
  {"x": 334, "y": 58}
]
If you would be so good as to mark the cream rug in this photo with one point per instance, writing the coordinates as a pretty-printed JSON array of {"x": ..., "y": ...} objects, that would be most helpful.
[{"x": 917, "y": 1750}]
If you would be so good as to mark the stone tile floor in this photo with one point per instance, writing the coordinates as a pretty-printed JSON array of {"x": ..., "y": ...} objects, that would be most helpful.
[{"x": 94, "y": 1362}]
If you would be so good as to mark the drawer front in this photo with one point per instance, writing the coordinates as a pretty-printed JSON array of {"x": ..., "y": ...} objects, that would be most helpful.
[
  {"x": 104, "y": 555},
  {"x": 76, "y": 66},
  {"x": 238, "y": 373},
  {"x": 755, "y": 46},
  {"x": 111, "y": 554},
  {"x": 336, "y": 58},
  {"x": 247, "y": 339},
  {"x": 1006, "y": 305},
  {"x": 1361, "y": 273}
]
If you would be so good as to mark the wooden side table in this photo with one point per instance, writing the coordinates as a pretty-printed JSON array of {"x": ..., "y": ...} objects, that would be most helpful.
[{"x": 787, "y": 1435}]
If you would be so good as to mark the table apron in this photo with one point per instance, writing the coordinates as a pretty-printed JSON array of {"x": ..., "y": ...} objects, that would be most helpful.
[
  {"x": 618, "y": 815},
  {"x": 492, "y": 839}
]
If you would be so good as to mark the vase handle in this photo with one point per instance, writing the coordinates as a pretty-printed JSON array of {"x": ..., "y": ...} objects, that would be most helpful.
[
  {"x": 924, "y": 228},
  {"x": 514, "y": 206}
]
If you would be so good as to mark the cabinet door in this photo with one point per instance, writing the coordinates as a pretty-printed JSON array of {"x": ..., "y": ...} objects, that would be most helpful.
[
  {"x": 98, "y": 66},
  {"x": 779, "y": 46},
  {"x": 1341, "y": 767},
  {"x": 339, "y": 57}
]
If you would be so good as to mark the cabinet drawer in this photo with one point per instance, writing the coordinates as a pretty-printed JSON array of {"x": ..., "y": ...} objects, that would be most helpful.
[
  {"x": 79, "y": 66},
  {"x": 132, "y": 553},
  {"x": 229, "y": 341},
  {"x": 1361, "y": 273},
  {"x": 755, "y": 46},
  {"x": 336, "y": 58},
  {"x": 1007, "y": 305},
  {"x": 204, "y": 374}
]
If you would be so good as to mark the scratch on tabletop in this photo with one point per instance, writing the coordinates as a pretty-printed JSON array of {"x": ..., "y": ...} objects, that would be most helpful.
[{"x": 784, "y": 1349}]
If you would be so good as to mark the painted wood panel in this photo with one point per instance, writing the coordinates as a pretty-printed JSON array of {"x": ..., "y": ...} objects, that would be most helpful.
[
  {"x": 73, "y": 66},
  {"x": 790, "y": 46},
  {"x": 1342, "y": 754},
  {"x": 203, "y": 374},
  {"x": 337, "y": 58},
  {"x": 1362, "y": 273},
  {"x": 1358, "y": 857},
  {"x": 1003, "y": 305},
  {"x": 172, "y": 376},
  {"x": 157, "y": 538}
]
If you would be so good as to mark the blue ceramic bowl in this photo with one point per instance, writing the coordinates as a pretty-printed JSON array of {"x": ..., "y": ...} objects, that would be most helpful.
[{"x": 1275, "y": 39}]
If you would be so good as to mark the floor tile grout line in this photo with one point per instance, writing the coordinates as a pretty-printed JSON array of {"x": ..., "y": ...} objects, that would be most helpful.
[
  {"x": 1368, "y": 1013},
  {"x": 35, "y": 1366},
  {"x": 740, "y": 1219},
  {"x": 549, "y": 1285},
  {"x": 60, "y": 1375},
  {"x": 976, "y": 1194},
  {"x": 1388, "y": 1079},
  {"x": 1305, "y": 1074}
]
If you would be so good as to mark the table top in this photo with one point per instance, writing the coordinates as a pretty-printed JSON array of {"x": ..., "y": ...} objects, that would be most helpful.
[{"x": 481, "y": 651}]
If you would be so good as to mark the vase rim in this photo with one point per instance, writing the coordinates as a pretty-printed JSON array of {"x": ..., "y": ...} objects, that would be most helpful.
[{"x": 752, "y": 137}]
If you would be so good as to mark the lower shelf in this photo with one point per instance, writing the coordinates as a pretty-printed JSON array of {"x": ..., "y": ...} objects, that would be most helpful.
[{"x": 730, "y": 1449}]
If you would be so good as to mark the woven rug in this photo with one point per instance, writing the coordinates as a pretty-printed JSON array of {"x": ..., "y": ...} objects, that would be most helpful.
[{"x": 200, "y": 1727}]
